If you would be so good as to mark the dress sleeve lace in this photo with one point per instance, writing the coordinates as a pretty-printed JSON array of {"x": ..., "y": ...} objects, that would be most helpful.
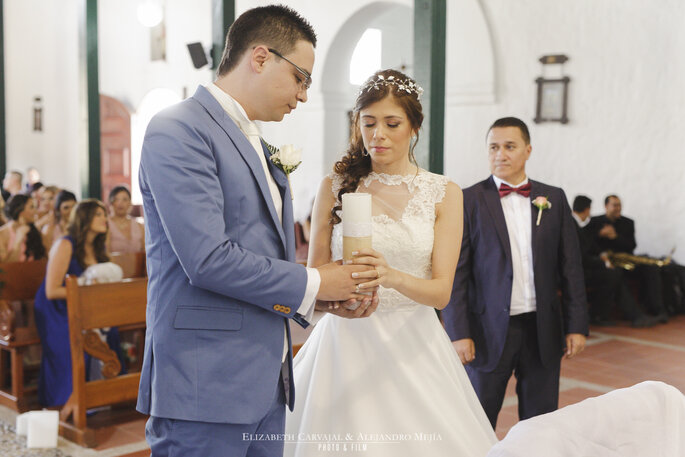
[
  {"x": 427, "y": 189},
  {"x": 336, "y": 184}
]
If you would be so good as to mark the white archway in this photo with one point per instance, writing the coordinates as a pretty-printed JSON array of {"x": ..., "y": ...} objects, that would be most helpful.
[
  {"x": 470, "y": 61},
  {"x": 396, "y": 24}
]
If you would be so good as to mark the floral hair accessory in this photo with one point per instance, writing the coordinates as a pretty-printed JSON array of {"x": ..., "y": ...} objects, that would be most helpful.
[
  {"x": 403, "y": 85},
  {"x": 541, "y": 203}
]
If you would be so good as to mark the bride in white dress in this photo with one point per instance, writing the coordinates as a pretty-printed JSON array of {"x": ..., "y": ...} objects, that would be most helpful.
[{"x": 390, "y": 384}]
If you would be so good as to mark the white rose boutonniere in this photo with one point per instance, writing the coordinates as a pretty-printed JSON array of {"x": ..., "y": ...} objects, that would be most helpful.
[
  {"x": 287, "y": 158},
  {"x": 541, "y": 203}
]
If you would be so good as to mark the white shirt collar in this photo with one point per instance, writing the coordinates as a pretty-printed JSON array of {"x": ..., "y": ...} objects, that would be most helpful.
[
  {"x": 234, "y": 110},
  {"x": 498, "y": 182},
  {"x": 582, "y": 223}
]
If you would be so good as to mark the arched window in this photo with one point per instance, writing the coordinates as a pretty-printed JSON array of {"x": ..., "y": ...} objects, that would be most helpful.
[
  {"x": 152, "y": 103},
  {"x": 366, "y": 58}
]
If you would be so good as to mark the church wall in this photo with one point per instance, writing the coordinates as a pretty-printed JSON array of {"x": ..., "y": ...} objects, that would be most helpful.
[
  {"x": 626, "y": 106},
  {"x": 126, "y": 71},
  {"x": 41, "y": 60}
]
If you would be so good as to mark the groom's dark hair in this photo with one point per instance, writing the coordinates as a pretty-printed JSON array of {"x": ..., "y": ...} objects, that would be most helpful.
[
  {"x": 276, "y": 26},
  {"x": 512, "y": 122}
]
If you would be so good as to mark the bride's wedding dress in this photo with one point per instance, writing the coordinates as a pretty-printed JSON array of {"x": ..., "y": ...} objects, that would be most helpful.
[{"x": 390, "y": 384}]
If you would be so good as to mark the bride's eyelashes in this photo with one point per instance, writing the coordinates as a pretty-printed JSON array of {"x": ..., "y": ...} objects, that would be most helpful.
[{"x": 392, "y": 126}]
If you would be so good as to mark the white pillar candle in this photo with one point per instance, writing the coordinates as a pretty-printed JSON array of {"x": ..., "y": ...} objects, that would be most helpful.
[
  {"x": 357, "y": 228},
  {"x": 42, "y": 429}
]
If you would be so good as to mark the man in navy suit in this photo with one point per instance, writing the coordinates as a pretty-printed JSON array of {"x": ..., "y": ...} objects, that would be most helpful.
[
  {"x": 505, "y": 314},
  {"x": 223, "y": 285}
]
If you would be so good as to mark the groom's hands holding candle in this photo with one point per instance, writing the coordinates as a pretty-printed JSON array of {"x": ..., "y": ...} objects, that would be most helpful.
[
  {"x": 351, "y": 309},
  {"x": 340, "y": 283}
]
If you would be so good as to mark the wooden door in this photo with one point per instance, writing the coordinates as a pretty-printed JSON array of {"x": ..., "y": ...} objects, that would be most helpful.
[{"x": 115, "y": 145}]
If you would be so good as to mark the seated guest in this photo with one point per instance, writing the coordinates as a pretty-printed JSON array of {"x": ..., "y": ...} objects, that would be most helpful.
[
  {"x": 19, "y": 239},
  {"x": 125, "y": 233},
  {"x": 57, "y": 226},
  {"x": 12, "y": 184},
  {"x": 615, "y": 232},
  {"x": 3, "y": 219},
  {"x": 606, "y": 283},
  {"x": 34, "y": 190},
  {"x": 46, "y": 201},
  {"x": 83, "y": 247},
  {"x": 32, "y": 177}
]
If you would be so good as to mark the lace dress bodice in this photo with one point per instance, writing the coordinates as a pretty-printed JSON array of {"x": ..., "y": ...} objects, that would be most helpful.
[
  {"x": 413, "y": 378},
  {"x": 403, "y": 226}
]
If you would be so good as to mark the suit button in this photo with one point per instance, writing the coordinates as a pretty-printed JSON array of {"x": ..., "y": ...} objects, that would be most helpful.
[{"x": 286, "y": 310}]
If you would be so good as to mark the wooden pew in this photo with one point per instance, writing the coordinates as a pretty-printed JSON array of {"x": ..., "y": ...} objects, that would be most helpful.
[
  {"x": 92, "y": 307},
  {"x": 20, "y": 282},
  {"x": 134, "y": 266},
  {"x": 133, "y": 263}
]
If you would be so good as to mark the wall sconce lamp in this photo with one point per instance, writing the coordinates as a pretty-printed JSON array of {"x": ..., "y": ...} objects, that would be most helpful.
[
  {"x": 37, "y": 114},
  {"x": 150, "y": 13},
  {"x": 552, "y": 94}
]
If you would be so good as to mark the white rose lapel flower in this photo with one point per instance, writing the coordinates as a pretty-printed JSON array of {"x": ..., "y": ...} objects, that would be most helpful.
[{"x": 287, "y": 158}]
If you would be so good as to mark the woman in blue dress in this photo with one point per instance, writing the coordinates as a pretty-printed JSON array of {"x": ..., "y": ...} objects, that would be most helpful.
[{"x": 71, "y": 255}]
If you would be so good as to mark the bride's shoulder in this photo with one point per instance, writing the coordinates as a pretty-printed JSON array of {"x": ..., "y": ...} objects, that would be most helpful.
[
  {"x": 436, "y": 177},
  {"x": 331, "y": 185},
  {"x": 440, "y": 186},
  {"x": 453, "y": 191}
]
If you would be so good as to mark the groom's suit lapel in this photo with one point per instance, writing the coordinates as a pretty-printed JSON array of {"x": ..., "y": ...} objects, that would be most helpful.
[
  {"x": 245, "y": 149},
  {"x": 534, "y": 193},
  {"x": 277, "y": 173},
  {"x": 284, "y": 188},
  {"x": 492, "y": 200}
]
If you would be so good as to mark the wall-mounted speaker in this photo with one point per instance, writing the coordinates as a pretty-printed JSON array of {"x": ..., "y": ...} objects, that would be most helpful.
[{"x": 198, "y": 54}]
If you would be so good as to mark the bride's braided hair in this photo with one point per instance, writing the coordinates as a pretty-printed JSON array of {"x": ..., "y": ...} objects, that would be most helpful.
[{"x": 354, "y": 165}]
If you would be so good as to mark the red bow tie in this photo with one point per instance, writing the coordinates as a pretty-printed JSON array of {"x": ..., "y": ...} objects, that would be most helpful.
[{"x": 505, "y": 190}]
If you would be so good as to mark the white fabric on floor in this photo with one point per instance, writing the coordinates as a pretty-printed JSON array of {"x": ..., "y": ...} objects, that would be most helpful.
[{"x": 647, "y": 419}]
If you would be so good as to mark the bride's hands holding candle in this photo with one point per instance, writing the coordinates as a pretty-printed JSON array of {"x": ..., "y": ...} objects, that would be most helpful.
[{"x": 381, "y": 275}]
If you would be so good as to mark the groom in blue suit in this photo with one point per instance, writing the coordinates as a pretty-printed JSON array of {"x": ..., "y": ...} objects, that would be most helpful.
[
  {"x": 217, "y": 368},
  {"x": 519, "y": 250}
]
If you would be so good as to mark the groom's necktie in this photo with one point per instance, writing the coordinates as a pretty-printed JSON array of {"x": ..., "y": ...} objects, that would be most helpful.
[
  {"x": 505, "y": 189},
  {"x": 252, "y": 132}
]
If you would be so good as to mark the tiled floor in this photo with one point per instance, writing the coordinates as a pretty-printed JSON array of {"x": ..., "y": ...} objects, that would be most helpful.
[
  {"x": 615, "y": 357},
  {"x": 109, "y": 437}
]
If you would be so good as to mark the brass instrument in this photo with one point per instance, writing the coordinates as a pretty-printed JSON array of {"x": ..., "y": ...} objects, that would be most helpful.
[{"x": 630, "y": 261}]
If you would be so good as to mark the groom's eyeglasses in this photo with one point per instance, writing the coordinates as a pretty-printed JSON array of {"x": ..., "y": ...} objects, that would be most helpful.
[{"x": 307, "y": 82}]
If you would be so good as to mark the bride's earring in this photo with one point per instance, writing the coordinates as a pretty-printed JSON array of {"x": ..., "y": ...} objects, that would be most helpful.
[{"x": 365, "y": 152}]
